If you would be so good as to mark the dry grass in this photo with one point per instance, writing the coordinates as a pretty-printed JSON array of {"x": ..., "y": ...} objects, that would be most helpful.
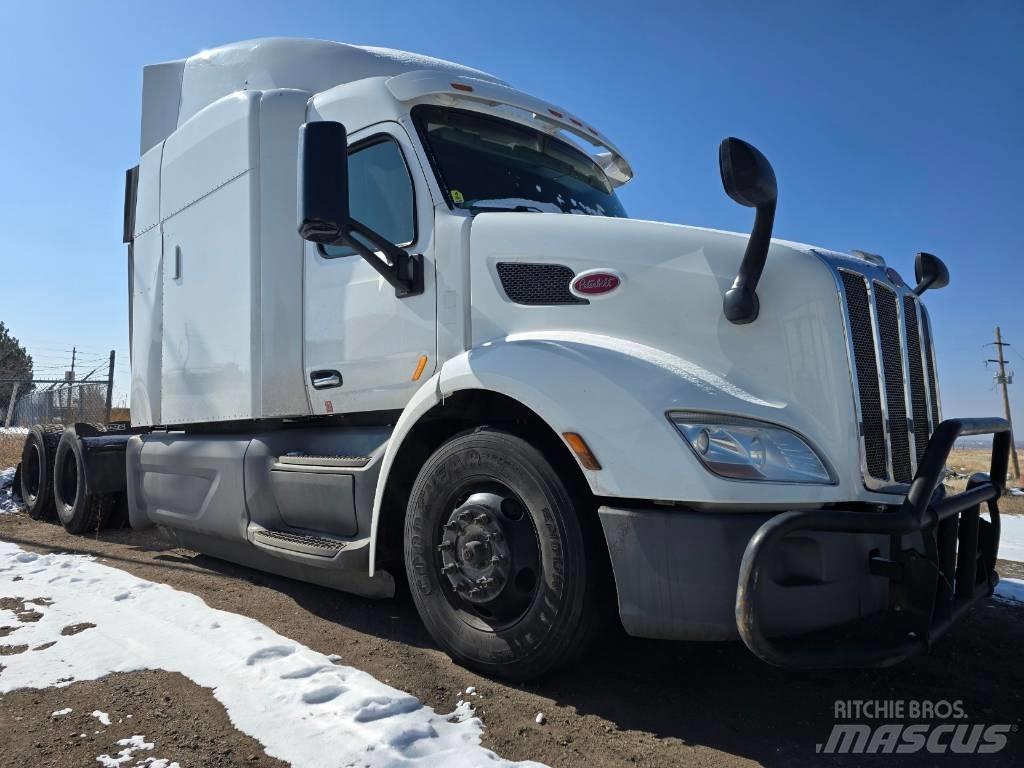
[
  {"x": 10, "y": 449},
  {"x": 970, "y": 460}
]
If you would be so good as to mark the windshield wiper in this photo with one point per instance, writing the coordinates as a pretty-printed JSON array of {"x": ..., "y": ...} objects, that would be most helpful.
[{"x": 506, "y": 208}]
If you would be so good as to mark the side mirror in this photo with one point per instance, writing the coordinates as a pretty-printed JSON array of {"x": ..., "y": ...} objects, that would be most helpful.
[
  {"x": 930, "y": 272},
  {"x": 324, "y": 216},
  {"x": 748, "y": 178},
  {"x": 323, "y": 182}
]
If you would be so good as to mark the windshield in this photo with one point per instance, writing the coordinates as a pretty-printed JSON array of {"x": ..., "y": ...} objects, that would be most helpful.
[{"x": 484, "y": 163}]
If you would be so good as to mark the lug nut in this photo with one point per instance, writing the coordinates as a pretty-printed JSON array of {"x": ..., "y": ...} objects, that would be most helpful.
[
  {"x": 482, "y": 518},
  {"x": 496, "y": 558},
  {"x": 449, "y": 568}
]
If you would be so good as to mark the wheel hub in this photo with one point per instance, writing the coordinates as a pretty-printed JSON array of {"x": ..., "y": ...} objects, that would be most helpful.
[{"x": 474, "y": 550}]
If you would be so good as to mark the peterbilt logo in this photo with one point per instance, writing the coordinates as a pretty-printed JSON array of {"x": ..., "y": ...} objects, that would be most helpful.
[{"x": 595, "y": 282}]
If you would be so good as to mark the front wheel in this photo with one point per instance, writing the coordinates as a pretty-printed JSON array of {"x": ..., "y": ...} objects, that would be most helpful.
[{"x": 497, "y": 558}]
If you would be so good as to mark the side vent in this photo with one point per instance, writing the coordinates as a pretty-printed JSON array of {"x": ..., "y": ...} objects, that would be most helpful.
[{"x": 537, "y": 284}]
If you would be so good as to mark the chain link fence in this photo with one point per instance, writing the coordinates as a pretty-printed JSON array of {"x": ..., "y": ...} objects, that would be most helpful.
[{"x": 65, "y": 404}]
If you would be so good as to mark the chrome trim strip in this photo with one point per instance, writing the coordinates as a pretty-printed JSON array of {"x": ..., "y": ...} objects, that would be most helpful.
[
  {"x": 852, "y": 363},
  {"x": 923, "y": 310},
  {"x": 908, "y": 384}
]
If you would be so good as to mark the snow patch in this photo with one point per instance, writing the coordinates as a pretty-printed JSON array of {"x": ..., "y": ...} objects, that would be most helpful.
[
  {"x": 131, "y": 746},
  {"x": 1011, "y": 590},
  {"x": 1011, "y": 537},
  {"x": 62, "y": 712},
  {"x": 297, "y": 703},
  {"x": 9, "y": 500},
  {"x": 103, "y": 717}
]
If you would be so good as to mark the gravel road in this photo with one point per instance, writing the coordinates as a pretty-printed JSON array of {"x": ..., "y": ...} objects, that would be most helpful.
[{"x": 632, "y": 703}]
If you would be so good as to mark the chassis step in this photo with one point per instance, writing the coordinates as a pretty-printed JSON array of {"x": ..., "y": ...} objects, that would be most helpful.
[
  {"x": 310, "y": 460},
  {"x": 297, "y": 542}
]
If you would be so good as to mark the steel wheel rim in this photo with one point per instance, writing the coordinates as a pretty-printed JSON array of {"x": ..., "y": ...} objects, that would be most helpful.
[
  {"x": 68, "y": 480},
  {"x": 503, "y": 550}
]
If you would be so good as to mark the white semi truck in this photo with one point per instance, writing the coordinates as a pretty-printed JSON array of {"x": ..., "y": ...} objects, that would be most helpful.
[{"x": 390, "y": 320}]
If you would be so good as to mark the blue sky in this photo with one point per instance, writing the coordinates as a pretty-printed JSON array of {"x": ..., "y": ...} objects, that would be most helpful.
[{"x": 891, "y": 130}]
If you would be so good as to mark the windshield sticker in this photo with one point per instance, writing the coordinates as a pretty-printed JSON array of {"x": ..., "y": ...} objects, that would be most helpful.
[{"x": 457, "y": 197}]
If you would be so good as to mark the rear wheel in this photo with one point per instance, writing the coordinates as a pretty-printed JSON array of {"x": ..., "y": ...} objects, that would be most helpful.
[
  {"x": 37, "y": 459},
  {"x": 79, "y": 511},
  {"x": 497, "y": 559}
]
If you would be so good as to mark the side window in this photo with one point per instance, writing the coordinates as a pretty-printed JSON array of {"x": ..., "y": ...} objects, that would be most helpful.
[{"x": 380, "y": 193}]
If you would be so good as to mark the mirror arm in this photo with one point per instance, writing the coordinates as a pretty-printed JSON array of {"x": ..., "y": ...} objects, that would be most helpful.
[
  {"x": 741, "y": 305},
  {"x": 403, "y": 270},
  {"x": 923, "y": 286}
]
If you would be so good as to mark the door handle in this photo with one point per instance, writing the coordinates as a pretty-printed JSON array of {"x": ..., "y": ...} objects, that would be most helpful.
[{"x": 325, "y": 379}]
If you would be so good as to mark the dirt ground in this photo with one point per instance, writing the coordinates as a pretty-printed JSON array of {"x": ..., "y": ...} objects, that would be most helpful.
[
  {"x": 633, "y": 703},
  {"x": 182, "y": 721}
]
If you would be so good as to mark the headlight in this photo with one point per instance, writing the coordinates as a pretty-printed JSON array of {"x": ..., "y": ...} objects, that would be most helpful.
[{"x": 744, "y": 449}]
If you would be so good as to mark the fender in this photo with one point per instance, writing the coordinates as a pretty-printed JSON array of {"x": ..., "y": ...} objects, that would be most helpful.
[{"x": 615, "y": 393}]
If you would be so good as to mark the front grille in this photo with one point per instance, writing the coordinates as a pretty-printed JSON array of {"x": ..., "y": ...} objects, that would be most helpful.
[
  {"x": 894, "y": 375},
  {"x": 537, "y": 284}
]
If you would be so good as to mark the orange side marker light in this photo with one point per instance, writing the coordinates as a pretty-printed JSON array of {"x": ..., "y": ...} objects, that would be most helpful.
[
  {"x": 582, "y": 450},
  {"x": 419, "y": 368}
]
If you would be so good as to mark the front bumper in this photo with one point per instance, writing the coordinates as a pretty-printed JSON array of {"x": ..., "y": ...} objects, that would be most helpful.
[{"x": 676, "y": 572}]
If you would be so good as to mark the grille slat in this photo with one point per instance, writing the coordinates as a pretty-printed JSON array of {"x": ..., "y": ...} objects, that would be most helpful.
[
  {"x": 929, "y": 358},
  {"x": 863, "y": 342},
  {"x": 898, "y": 403},
  {"x": 537, "y": 284},
  {"x": 892, "y": 369},
  {"x": 918, "y": 397}
]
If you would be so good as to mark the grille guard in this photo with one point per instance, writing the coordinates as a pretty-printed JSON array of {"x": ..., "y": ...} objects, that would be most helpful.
[{"x": 928, "y": 590}]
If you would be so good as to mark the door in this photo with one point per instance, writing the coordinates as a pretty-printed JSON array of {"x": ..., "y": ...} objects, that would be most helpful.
[{"x": 363, "y": 346}]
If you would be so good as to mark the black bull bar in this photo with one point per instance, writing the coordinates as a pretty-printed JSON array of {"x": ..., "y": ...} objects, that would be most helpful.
[{"x": 928, "y": 590}]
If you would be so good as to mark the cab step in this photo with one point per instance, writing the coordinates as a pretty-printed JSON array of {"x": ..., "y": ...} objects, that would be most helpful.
[
  {"x": 314, "y": 460},
  {"x": 307, "y": 544}
]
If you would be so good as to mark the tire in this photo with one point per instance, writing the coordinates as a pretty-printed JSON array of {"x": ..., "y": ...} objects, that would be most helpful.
[
  {"x": 78, "y": 511},
  {"x": 480, "y": 496},
  {"x": 37, "y": 459}
]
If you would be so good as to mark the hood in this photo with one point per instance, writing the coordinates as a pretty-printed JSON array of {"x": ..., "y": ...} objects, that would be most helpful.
[{"x": 792, "y": 361}]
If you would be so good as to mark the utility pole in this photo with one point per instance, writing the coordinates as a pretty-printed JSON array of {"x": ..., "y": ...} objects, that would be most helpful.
[
  {"x": 69, "y": 376},
  {"x": 10, "y": 405},
  {"x": 1003, "y": 379},
  {"x": 110, "y": 385}
]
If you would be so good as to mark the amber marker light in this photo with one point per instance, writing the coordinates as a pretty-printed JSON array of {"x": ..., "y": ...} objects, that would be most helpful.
[
  {"x": 582, "y": 450},
  {"x": 419, "y": 368}
]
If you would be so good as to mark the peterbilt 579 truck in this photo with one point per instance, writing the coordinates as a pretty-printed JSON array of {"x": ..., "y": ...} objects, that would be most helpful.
[{"x": 389, "y": 320}]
